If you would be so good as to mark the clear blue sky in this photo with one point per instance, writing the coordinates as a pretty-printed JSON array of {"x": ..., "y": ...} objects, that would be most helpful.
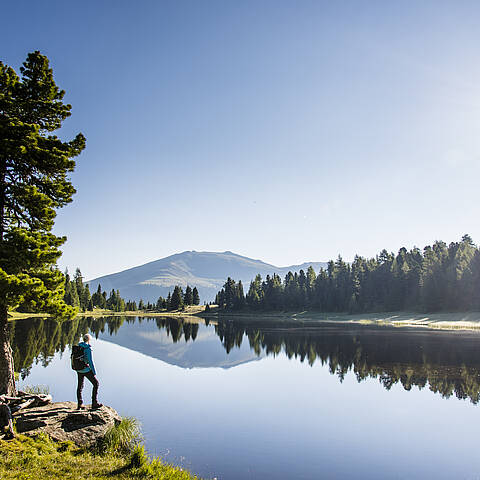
[{"x": 288, "y": 131}]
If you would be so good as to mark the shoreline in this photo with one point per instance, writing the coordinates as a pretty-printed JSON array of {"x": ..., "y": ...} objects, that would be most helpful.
[
  {"x": 442, "y": 321},
  {"x": 193, "y": 312}
]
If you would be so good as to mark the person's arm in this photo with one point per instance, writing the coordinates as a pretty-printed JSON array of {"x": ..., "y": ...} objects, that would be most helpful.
[{"x": 90, "y": 360}]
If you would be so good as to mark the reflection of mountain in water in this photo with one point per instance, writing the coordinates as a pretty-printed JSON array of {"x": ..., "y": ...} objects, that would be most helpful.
[{"x": 204, "y": 352}]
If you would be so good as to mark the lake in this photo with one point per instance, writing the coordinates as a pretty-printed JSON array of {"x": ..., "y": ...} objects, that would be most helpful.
[{"x": 256, "y": 399}]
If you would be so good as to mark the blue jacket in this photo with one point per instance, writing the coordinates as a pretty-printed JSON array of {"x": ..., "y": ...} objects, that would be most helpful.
[{"x": 88, "y": 358}]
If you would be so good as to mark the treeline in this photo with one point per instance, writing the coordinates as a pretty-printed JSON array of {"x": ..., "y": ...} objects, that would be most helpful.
[
  {"x": 176, "y": 300},
  {"x": 439, "y": 278},
  {"x": 78, "y": 295}
]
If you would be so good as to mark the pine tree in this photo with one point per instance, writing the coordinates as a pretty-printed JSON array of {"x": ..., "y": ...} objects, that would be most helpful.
[
  {"x": 86, "y": 297},
  {"x": 177, "y": 298},
  {"x": 97, "y": 296},
  {"x": 159, "y": 304},
  {"x": 103, "y": 300},
  {"x": 169, "y": 301},
  {"x": 75, "y": 299},
  {"x": 78, "y": 285},
  {"x": 67, "y": 295},
  {"x": 188, "y": 299},
  {"x": 239, "y": 301},
  {"x": 196, "y": 296},
  {"x": 34, "y": 165}
]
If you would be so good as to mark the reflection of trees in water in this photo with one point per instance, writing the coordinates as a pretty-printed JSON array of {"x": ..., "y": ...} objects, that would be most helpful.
[
  {"x": 37, "y": 340},
  {"x": 449, "y": 362}
]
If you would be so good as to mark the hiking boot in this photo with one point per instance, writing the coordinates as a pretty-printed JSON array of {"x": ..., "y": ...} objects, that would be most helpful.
[
  {"x": 80, "y": 406},
  {"x": 96, "y": 405},
  {"x": 9, "y": 436}
]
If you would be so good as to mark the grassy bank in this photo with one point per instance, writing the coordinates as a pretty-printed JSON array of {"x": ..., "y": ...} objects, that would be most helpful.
[
  {"x": 40, "y": 458},
  {"x": 189, "y": 310}
]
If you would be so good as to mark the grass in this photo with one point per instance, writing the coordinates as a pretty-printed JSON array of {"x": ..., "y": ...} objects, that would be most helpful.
[
  {"x": 12, "y": 315},
  {"x": 36, "y": 389},
  {"x": 123, "y": 439},
  {"x": 122, "y": 457}
]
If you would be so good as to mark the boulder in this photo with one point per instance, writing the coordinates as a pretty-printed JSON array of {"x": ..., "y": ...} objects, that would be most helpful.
[{"x": 62, "y": 421}]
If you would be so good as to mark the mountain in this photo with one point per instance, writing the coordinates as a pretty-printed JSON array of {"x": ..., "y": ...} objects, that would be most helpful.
[{"x": 205, "y": 270}]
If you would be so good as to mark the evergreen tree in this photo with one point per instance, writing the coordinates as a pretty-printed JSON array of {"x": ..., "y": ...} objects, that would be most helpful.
[
  {"x": 74, "y": 297},
  {"x": 104, "y": 299},
  {"x": 86, "y": 297},
  {"x": 229, "y": 293},
  {"x": 196, "y": 296},
  {"x": 160, "y": 303},
  {"x": 188, "y": 299},
  {"x": 67, "y": 295},
  {"x": 78, "y": 285},
  {"x": 169, "y": 301},
  {"x": 96, "y": 297},
  {"x": 34, "y": 165},
  {"x": 176, "y": 302},
  {"x": 255, "y": 294},
  {"x": 239, "y": 301}
]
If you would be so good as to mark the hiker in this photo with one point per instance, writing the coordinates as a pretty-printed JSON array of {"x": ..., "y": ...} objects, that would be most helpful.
[
  {"x": 6, "y": 418},
  {"x": 89, "y": 372}
]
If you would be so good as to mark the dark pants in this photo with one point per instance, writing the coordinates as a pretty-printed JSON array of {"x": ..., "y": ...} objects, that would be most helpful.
[
  {"x": 94, "y": 382},
  {"x": 5, "y": 415}
]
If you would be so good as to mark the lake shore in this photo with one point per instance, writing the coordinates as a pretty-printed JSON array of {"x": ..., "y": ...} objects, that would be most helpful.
[
  {"x": 444, "y": 321},
  {"x": 193, "y": 311}
]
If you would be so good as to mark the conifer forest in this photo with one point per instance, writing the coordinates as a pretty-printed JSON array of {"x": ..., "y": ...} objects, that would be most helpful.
[{"x": 438, "y": 278}]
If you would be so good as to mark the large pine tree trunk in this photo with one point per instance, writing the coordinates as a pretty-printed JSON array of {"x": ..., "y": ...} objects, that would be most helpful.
[{"x": 7, "y": 375}]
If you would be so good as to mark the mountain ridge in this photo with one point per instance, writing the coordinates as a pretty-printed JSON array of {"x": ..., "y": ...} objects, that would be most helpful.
[{"x": 205, "y": 270}]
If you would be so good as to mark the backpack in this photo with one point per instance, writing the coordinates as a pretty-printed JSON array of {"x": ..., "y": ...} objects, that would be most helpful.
[{"x": 77, "y": 358}]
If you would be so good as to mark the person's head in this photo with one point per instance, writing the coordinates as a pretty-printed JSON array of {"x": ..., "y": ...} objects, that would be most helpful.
[{"x": 87, "y": 337}]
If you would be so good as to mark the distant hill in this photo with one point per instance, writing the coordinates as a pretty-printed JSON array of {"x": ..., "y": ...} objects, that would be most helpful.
[{"x": 205, "y": 270}]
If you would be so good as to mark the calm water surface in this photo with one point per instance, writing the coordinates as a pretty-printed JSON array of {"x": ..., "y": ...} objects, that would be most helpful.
[{"x": 257, "y": 400}]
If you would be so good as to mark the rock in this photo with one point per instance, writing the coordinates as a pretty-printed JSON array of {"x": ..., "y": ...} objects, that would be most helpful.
[{"x": 62, "y": 421}]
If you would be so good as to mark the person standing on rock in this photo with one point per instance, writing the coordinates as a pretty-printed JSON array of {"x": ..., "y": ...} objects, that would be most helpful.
[
  {"x": 6, "y": 418},
  {"x": 88, "y": 372}
]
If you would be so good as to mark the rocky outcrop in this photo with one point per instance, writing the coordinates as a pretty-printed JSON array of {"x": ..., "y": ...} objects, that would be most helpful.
[{"x": 62, "y": 421}]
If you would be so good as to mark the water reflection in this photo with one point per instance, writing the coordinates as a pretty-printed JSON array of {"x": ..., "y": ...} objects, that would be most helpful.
[{"x": 447, "y": 362}]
